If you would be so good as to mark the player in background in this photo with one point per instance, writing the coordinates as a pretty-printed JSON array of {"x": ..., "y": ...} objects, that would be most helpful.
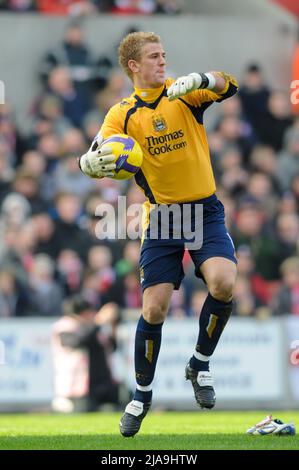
[{"x": 166, "y": 117}]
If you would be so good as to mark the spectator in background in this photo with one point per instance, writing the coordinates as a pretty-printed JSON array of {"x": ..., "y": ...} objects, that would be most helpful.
[
  {"x": 89, "y": 289},
  {"x": 69, "y": 178},
  {"x": 6, "y": 172},
  {"x": 75, "y": 105},
  {"x": 13, "y": 296},
  {"x": 46, "y": 238},
  {"x": 260, "y": 289},
  {"x": 254, "y": 94},
  {"x": 233, "y": 176},
  {"x": 288, "y": 160},
  {"x": 263, "y": 159},
  {"x": 17, "y": 236},
  {"x": 288, "y": 203},
  {"x": 17, "y": 251},
  {"x": 246, "y": 302},
  {"x": 168, "y": 7},
  {"x": 91, "y": 123},
  {"x": 45, "y": 294},
  {"x": 230, "y": 204},
  {"x": 287, "y": 299},
  {"x": 49, "y": 145},
  {"x": 234, "y": 134},
  {"x": 287, "y": 233},
  {"x": 68, "y": 233},
  {"x": 10, "y": 136},
  {"x": 70, "y": 272},
  {"x": 49, "y": 117},
  {"x": 132, "y": 296},
  {"x": 252, "y": 228},
  {"x": 100, "y": 262},
  {"x": 130, "y": 259},
  {"x": 26, "y": 184},
  {"x": 233, "y": 109},
  {"x": 35, "y": 164},
  {"x": 246, "y": 266},
  {"x": 125, "y": 290},
  {"x": 261, "y": 187},
  {"x": 66, "y": 176},
  {"x": 75, "y": 55},
  {"x": 41, "y": 126},
  {"x": 273, "y": 123},
  {"x": 83, "y": 340},
  {"x": 73, "y": 141},
  {"x": 94, "y": 227},
  {"x": 253, "y": 292},
  {"x": 15, "y": 210}
]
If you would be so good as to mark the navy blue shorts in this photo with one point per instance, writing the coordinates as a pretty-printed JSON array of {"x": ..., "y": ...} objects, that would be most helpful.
[{"x": 161, "y": 259}]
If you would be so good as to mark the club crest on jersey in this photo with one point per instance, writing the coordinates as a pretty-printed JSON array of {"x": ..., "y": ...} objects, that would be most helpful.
[{"x": 159, "y": 123}]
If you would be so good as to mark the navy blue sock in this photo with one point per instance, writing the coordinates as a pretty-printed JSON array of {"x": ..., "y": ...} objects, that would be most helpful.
[
  {"x": 212, "y": 320},
  {"x": 147, "y": 347},
  {"x": 145, "y": 397},
  {"x": 196, "y": 364}
]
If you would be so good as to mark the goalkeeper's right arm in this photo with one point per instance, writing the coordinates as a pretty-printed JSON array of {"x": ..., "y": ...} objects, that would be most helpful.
[{"x": 97, "y": 163}]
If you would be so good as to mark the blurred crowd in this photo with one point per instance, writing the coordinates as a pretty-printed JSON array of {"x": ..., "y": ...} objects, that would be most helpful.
[
  {"x": 92, "y": 7},
  {"x": 51, "y": 243}
]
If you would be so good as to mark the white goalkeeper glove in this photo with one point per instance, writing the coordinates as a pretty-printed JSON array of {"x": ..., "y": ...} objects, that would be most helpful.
[
  {"x": 191, "y": 82},
  {"x": 98, "y": 163}
]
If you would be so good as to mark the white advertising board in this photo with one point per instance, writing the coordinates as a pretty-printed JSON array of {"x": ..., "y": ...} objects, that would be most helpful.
[{"x": 26, "y": 374}]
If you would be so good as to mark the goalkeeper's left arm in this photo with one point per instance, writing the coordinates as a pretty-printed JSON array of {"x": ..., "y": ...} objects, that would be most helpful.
[{"x": 218, "y": 82}]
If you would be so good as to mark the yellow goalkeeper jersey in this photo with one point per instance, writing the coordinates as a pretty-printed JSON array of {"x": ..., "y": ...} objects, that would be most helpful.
[{"x": 176, "y": 165}]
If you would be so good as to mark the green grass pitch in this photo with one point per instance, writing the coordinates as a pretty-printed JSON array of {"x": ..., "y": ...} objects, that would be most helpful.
[{"x": 160, "y": 430}]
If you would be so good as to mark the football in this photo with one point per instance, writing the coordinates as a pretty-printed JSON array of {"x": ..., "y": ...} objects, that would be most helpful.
[{"x": 128, "y": 155}]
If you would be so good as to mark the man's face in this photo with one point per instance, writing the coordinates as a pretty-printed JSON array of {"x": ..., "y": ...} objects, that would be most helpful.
[{"x": 149, "y": 72}]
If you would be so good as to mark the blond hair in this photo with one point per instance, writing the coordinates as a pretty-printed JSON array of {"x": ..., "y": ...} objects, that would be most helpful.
[{"x": 130, "y": 48}]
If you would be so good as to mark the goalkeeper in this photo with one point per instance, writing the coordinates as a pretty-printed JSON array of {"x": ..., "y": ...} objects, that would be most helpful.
[{"x": 166, "y": 117}]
